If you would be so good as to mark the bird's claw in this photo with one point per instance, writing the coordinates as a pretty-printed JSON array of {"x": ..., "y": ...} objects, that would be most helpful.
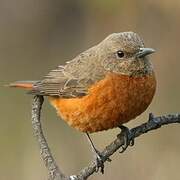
[
  {"x": 99, "y": 162},
  {"x": 128, "y": 140}
]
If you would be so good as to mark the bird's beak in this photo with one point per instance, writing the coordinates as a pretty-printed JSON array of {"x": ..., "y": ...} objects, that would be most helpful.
[{"x": 144, "y": 52}]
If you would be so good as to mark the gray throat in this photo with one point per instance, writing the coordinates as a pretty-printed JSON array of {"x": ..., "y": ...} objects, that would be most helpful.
[{"x": 132, "y": 67}]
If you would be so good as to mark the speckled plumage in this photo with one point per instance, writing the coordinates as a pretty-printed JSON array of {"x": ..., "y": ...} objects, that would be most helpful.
[
  {"x": 79, "y": 74},
  {"x": 99, "y": 89}
]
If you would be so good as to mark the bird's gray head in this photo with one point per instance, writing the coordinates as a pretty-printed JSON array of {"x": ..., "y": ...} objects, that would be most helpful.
[{"x": 125, "y": 53}]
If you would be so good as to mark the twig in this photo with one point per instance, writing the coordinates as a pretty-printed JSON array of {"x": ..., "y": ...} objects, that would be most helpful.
[{"x": 54, "y": 172}]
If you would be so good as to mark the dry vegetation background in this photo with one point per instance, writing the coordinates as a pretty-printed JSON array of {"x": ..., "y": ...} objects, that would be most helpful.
[{"x": 37, "y": 35}]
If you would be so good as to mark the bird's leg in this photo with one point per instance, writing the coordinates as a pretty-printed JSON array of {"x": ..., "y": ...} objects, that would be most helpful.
[
  {"x": 98, "y": 156},
  {"x": 128, "y": 141}
]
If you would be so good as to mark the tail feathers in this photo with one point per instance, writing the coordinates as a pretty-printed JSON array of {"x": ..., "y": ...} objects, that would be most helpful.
[{"x": 23, "y": 84}]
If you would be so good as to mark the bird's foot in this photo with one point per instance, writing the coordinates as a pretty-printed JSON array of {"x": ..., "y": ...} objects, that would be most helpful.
[
  {"x": 99, "y": 161},
  {"x": 128, "y": 140}
]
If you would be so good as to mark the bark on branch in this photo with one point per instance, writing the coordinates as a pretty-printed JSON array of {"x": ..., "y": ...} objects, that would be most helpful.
[{"x": 53, "y": 170}]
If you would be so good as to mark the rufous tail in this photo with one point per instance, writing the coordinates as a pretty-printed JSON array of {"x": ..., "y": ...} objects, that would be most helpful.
[{"x": 23, "y": 84}]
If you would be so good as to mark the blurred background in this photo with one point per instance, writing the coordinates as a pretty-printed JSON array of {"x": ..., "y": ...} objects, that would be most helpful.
[{"x": 38, "y": 35}]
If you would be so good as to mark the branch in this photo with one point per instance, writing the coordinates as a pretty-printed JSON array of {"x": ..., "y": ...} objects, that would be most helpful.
[{"x": 55, "y": 173}]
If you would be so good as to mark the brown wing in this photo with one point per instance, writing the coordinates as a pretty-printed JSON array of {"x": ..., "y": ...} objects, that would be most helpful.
[
  {"x": 71, "y": 80},
  {"x": 56, "y": 83}
]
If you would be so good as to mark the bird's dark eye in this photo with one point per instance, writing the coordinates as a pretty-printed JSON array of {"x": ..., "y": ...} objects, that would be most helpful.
[{"x": 120, "y": 54}]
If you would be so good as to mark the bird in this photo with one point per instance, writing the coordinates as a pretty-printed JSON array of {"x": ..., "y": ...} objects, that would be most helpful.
[{"x": 102, "y": 88}]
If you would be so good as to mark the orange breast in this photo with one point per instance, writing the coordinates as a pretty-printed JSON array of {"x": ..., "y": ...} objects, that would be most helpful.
[{"x": 110, "y": 102}]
